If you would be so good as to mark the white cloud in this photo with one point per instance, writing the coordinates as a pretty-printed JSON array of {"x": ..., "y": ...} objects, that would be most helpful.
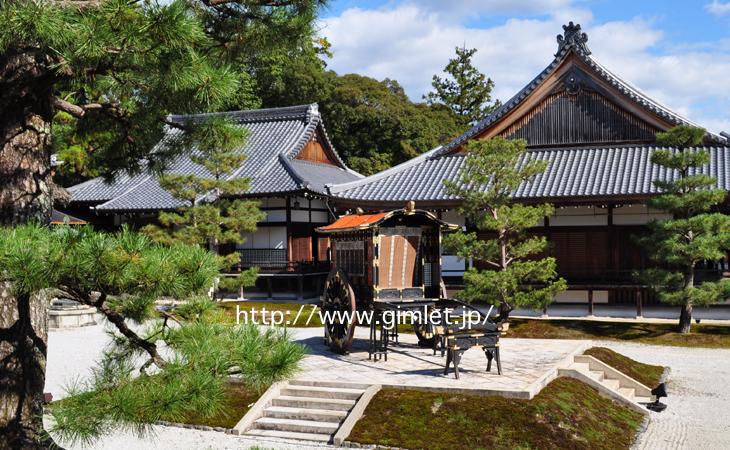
[
  {"x": 471, "y": 8},
  {"x": 411, "y": 43},
  {"x": 718, "y": 8}
]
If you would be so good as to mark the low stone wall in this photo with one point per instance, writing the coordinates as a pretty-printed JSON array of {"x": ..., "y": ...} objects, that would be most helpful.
[{"x": 71, "y": 316}]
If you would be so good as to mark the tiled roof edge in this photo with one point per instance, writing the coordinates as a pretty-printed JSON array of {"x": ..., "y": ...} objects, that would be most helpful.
[
  {"x": 335, "y": 188},
  {"x": 130, "y": 189},
  {"x": 302, "y": 112}
]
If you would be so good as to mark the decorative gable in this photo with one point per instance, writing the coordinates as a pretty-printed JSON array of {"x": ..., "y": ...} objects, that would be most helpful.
[
  {"x": 576, "y": 101},
  {"x": 579, "y": 112},
  {"x": 314, "y": 151}
]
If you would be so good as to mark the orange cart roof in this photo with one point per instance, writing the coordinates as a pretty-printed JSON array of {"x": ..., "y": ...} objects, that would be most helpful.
[{"x": 353, "y": 221}]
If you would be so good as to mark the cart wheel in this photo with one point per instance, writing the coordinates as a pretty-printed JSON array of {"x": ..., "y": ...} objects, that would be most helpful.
[
  {"x": 338, "y": 310},
  {"x": 425, "y": 336}
]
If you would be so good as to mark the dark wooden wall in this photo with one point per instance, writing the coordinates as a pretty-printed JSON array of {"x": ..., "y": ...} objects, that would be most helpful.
[{"x": 583, "y": 118}]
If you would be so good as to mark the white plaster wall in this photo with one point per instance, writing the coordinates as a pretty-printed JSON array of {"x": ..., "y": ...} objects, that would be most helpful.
[
  {"x": 581, "y": 296},
  {"x": 297, "y": 215},
  {"x": 265, "y": 237},
  {"x": 579, "y": 216},
  {"x": 452, "y": 266},
  {"x": 275, "y": 215},
  {"x": 319, "y": 204},
  {"x": 320, "y": 217},
  {"x": 273, "y": 202},
  {"x": 637, "y": 215}
]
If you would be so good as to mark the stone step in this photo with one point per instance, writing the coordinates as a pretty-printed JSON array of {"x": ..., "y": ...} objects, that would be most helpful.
[
  {"x": 330, "y": 384},
  {"x": 297, "y": 426},
  {"x": 611, "y": 383},
  {"x": 642, "y": 399},
  {"x": 597, "y": 375},
  {"x": 322, "y": 392},
  {"x": 627, "y": 392},
  {"x": 580, "y": 367},
  {"x": 314, "y": 403},
  {"x": 317, "y": 437},
  {"x": 287, "y": 412}
]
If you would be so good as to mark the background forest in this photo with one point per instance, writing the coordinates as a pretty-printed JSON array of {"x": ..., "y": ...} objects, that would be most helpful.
[{"x": 372, "y": 123}]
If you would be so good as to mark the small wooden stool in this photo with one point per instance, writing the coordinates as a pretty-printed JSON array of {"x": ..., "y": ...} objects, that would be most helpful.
[{"x": 456, "y": 345}]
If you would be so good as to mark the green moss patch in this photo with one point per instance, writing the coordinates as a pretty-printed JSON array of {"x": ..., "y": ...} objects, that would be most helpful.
[
  {"x": 645, "y": 374},
  {"x": 239, "y": 400},
  {"x": 710, "y": 336},
  {"x": 566, "y": 414}
]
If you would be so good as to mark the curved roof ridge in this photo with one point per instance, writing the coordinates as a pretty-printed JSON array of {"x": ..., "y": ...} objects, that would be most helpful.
[
  {"x": 303, "y": 112},
  {"x": 566, "y": 48}
]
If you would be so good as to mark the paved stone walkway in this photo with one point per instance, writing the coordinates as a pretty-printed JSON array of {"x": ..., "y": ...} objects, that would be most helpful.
[
  {"x": 524, "y": 362},
  {"x": 698, "y": 416}
]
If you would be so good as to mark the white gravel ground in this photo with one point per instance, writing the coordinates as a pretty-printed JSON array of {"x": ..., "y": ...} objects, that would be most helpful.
[
  {"x": 72, "y": 352},
  {"x": 698, "y": 416}
]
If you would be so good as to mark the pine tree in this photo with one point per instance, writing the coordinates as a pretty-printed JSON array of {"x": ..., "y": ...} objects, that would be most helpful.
[
  {"x": 517, "y": 276},
  {"x": 695, "y": 234},
  {"x": 210, "y": 217},
  {"x": 465, "y": 90},
  {"x": 135, "y": 384},
  {"x": 117, "y": 68}
]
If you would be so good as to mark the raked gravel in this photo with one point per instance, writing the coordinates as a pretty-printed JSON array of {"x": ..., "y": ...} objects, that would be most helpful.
[
  {"x": 698, "y": 416},
  {"x": 698, "y": 412}
]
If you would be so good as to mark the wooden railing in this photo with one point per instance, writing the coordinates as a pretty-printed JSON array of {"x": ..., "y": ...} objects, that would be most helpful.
[{"x": 276, "y": 260}]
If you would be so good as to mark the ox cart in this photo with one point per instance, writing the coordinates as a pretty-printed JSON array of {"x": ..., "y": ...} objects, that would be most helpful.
[{"x": 386, "y": 266}]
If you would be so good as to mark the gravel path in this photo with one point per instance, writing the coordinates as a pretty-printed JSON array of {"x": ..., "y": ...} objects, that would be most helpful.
[
  {"x": 72, "y": 352},
  {"x": 698, "y": 416}
]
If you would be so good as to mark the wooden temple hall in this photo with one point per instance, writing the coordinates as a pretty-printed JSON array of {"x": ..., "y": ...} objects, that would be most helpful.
[
  {"x": 596, "y": 131},
  {"x": 289, "y": 159}
]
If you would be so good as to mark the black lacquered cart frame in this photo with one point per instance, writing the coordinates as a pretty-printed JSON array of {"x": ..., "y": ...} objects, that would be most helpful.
[{"x": 390, "y": 263}]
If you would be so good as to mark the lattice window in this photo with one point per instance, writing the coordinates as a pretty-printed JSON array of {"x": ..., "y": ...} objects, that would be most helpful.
[{"x": 350, "y": 256}]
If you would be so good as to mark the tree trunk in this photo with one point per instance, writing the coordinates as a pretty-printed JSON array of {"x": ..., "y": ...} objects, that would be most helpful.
[
  {"x": 23, "y": 338},
  {"x": 685, "y": 316},
  {"x": 685, "y": 319},
  {"x": 504, "y": 310},
  {"x": 26, "y": 112}
]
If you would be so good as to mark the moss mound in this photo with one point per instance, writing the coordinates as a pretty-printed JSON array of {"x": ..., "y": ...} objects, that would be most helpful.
[{"x": 566, "y": 414}]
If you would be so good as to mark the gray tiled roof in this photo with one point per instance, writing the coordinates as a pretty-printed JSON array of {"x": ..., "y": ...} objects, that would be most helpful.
[
  {"x": 623, "y": 86},
  {"x": 275, "y": 138},
  {"x": 571, "y": 172}
]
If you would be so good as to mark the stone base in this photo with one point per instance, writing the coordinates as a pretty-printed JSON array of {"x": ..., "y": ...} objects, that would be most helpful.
[{"x": 71, "y": 316}]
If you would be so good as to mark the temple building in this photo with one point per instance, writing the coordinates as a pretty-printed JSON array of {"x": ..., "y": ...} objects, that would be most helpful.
[
  {"x": 597, "y": 132},
  {"x": 289, "y": 159}
]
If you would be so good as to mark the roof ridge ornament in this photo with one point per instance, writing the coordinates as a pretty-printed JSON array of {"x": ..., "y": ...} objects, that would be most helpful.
[{"x": 574, "y": 38}]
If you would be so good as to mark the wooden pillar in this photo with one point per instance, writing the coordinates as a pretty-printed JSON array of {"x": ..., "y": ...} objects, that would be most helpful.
[
  {"x": 269, "y": 289},
  {"x": 639, "y": 306},
  {"x": 300, "y": 286},
  {"x": 289, "y": 254},
  {"x": 590, "y": 302}
]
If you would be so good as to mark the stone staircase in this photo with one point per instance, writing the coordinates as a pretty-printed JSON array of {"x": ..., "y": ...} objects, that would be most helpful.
[
  {"x": 304, "y": 410},
  {"x": 608, "y": 381}
]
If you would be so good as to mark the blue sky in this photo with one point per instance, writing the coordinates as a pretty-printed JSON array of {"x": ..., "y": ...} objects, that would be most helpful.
[{"x": 676, "y": 51}]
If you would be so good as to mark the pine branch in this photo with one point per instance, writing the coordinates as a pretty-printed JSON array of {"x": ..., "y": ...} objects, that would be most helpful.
[
  {"x": 73, "y": 109},
  {"x": 118, "y": 320}
]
